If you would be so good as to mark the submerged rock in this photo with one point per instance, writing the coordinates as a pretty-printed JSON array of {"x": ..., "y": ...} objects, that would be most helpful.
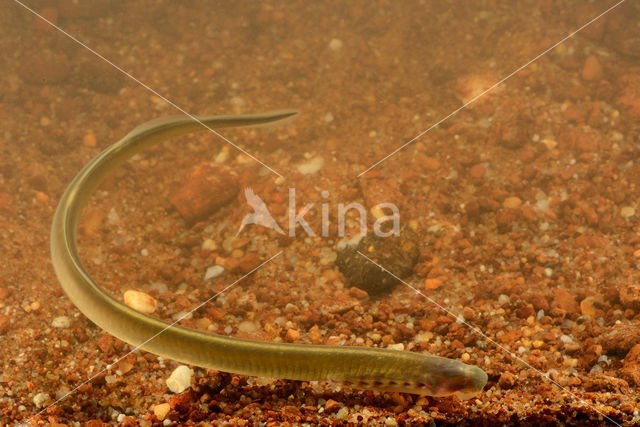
[
  {"x": 209, "y": 187},
  {"x": 398, "y": 255}
]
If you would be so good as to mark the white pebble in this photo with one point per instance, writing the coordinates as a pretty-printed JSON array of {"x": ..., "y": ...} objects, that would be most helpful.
[
  {"x": 335, "y": 44},
  {"x": 390, "y": 422},
  {"x": 328, "y": 118},
  {"x": 627, "y": 212},
  {"x": 543, "y": 205},
  {"x": 349, "y": 243},
  {"x": 160, "y": 287},
  {"x": 209, "y": 245},
  {"x": 180, "y": 379},
  {"x": 398, "y": 346},
  {"x": 112, "y": 217},
  {"x": 213, "y": 272},
  {"x": 311, "y": 167},
  {"x": 566, "y": 339},
  {"x": 61, "y": 322},
  {"x": 40, "y": 399},
  {"x": 181, "y": 315},
  {"x": 222, "y": 156},
  {"x": 342, "y": 413},
  {"x": 503, "y": 299},
  {"x": 247, "y": 326},
  {"x": 140, "y": 301}
]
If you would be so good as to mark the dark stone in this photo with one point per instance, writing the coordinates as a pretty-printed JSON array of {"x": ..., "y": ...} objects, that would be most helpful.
[{"x": 398, "y": 255}]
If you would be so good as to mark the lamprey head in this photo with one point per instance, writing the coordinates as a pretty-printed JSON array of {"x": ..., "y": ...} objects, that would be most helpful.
[
  {"x": 465, "y": 381},
  {"x": 439, "y": 376},
  {"x": 431, "y": 376}
]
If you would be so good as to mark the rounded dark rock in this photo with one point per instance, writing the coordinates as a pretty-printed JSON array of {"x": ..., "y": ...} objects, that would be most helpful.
[{"x": 397, "y": 254}]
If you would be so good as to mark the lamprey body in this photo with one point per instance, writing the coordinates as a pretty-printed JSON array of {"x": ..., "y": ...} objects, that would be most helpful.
[{"x": 359, "y": 367}]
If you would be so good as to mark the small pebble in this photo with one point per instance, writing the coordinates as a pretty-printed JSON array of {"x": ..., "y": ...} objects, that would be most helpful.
[
  {"x": 61, "y": 322},
  {"x": 432, "y": 284},
  {"x": 222, "y": 156},
  {"x": 40, "y": 399},
  {"x": 342, "y": 413},
  {"x": 161, "y": 411},
  {"x": 293, "y": 335},
  {"x": 311, "y": 167},
  {"x": 160, "y": 287},
  {"x": 209, "y": 245},
  {"x": 549, "y": 143},
  {"x": 89, "y": 140},
  {"x": 627, "y": 212},
  {"x": 331, "y": 406},
  {"x": 335, "y": 44},
  {"x": 592, "y": 69},
  {"x": 507, "y": 380},
  {"x": 180, "y": 379},
  {"x": 213, "y": 272},
  {"x": 247, "y": 326},
  {"x": 390, "y": 422},
  {"x": 315, "y": 335},
  {"x": 140, "y": 301},
  {"x": 512, "y": 202},
  {"x": 112, "y": 217},
  {"x": 42, "y": 197},
  {"x": 477, "y": 171}
]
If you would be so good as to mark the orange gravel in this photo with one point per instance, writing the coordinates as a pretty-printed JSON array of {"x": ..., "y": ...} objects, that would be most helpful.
[{"x": 525, "y": 204}]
